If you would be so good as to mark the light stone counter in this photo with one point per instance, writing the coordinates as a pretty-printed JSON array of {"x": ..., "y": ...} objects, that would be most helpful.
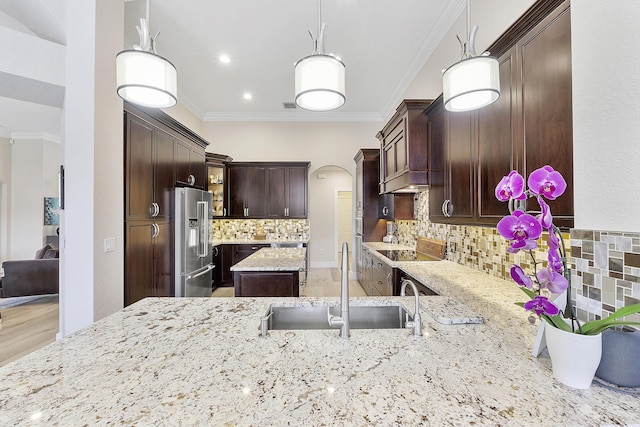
[
  {"x": 200, "y": 361},
  {"x": 273, "y": 259},
  {"x": 254, "y": 241}
]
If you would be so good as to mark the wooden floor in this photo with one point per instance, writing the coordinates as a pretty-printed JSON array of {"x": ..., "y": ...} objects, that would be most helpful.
[{"x": 28, "y": 327}]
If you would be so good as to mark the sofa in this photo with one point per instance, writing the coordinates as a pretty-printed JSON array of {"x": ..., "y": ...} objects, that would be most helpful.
[{"x": 38, "y": 276}]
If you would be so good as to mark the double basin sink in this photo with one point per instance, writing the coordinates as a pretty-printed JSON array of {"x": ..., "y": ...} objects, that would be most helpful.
[{"x": 283, "y": 317}]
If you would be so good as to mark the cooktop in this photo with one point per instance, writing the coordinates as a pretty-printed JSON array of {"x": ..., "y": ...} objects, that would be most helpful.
[{"x": 406, "y": 255}]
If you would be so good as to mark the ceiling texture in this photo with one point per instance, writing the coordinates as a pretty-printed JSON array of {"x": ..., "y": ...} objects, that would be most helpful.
[{"x": 384, "y": 44}]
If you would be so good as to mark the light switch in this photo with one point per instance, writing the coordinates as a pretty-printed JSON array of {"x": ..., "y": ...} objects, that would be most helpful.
[{"x": 110, "y": 244}]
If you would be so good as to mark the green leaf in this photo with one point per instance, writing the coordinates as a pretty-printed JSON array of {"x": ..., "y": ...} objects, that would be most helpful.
[
  {"x": 557, "y": 321},
  {"x": 594, "y": 327}
]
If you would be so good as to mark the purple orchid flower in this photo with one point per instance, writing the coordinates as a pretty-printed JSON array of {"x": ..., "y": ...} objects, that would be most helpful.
[
  {"x": 541, "y": 305},
  {"x": 552, "y": 280},
  {"x": 545, "y": 217},
  {"x": 553, "y": 241},
  {"x": 555, "y": 262},
  {"x": 547, "y": 182},
  {"x": 522, "y": 229},
  {"x": 518, "y": 276},
  {"x": 511, "y": 187}
]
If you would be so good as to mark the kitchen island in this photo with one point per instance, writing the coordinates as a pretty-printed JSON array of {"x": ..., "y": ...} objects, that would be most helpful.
[
  {"x": 269, "y": 272},
  {"x": 170, "y": 361}
]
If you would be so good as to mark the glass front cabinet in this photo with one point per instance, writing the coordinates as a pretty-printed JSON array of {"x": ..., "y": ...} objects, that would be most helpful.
[{"x": 215, "y": 181}]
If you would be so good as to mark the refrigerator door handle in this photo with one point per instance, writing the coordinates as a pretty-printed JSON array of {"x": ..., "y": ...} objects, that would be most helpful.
[
  {"x": 199, "y": 273},
  {"x": 203, "y": 235}
]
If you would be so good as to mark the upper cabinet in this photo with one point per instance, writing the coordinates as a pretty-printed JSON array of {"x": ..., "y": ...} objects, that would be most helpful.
[
  {"x": 267, "y": 189},
  {"x": 403, "y": 147},
  {"x": 528, "y": 127},
  {"x": 287, "y": 191},
  {"x": 190, "y": 165}
]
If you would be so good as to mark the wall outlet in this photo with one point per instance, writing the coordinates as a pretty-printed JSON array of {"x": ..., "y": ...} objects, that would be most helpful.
[{"x": 109, "y": 244}]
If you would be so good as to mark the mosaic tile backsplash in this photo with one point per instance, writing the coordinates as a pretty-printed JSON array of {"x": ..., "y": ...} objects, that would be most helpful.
[
  {"x": 274, "y": 229},
  {"x": 605, "y": 265}
]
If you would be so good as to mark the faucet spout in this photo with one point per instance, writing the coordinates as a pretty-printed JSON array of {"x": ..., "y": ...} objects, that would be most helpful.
[
  {"x": 343, "y": 320},
  {"x": 417, "y": 321}
]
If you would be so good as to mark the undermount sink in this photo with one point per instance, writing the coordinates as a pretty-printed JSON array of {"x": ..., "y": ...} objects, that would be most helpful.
[{"x": 280, "y": 317}]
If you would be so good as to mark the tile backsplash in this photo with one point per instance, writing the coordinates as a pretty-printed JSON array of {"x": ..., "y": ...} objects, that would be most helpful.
[
  {"x": 274, "y": 229},
  {"x": 605, "y": 265}
]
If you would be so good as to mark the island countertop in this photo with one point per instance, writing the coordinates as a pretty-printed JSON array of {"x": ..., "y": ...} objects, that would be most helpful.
[
  {"x": 273, "y": 259},
  {"x": 201, "y": 361}
]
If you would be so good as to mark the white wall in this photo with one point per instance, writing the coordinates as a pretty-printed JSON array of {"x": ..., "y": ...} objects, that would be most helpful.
[
  {"x": 323, "y": 246},
  {"x": 92, "y": 144},
  {"x": 5, "y": 198},
  {"x": 34, "y": 175},
  {"x": 321, "y": 143},
  {"x": 606, "y": 112}
]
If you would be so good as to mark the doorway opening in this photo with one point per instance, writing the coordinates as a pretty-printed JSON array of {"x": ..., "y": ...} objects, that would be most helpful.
[{"x": 344, "y": 228}]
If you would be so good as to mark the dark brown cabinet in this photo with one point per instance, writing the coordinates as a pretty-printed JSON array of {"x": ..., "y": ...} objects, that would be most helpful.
[
  {"x": 149, "y": 171},
  {"x": 149, "y": 258},
  {"x": 395, "y": 206},
  {"x": 287, "y": 191},
  {"x": 266, "y": 284},
  {"x": 190, "y": 165},
  {"x": 403, "y": 147},
  {"x": 246, "y": 191},
  {"x": 150, "y": 176},
  {"x": 267, "y": 190},
  {"x": 229, "y": 255},
  {"x": 216, "y": 175},
  {"x": 528, "y": 127}
]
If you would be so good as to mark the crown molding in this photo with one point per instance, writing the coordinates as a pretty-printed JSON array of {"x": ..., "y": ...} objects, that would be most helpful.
[
  {"x": 17, "y": 136},
  {"x": 297, "y": 116}
]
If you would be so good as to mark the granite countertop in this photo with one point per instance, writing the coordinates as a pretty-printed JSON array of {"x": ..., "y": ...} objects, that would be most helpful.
[
  {"x": 217, "y": 242},
  {"x": 201, "y": 361},
  {"x": 273, "y": 259}
]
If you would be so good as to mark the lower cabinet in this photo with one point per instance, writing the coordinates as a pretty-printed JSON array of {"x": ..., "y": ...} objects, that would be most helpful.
[
  {"x": 149, "y": 260},
  {"x": 376, "y": 277},
  {"x": 266, "y": 283},
  {"x": 230, "y": 255}
]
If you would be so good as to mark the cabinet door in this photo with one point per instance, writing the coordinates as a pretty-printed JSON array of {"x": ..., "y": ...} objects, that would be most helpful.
[
  {"x": 163, "y": 260},
  {"x": 460, "y": 163},
  {"x": 182, "y": 162},
  {"x": 197, "y": 168},
  {"x": 545, "y": 57},
  {"x": 236, "y": 185},
  {"x": 255, "y": 191},
  {"x": 226, "y": 262},
  {"x": 359, "y": 189},
  {"x": 297, "y": 196},
  {"x": 139, "y": 263},
  {"x": 139, "y": 168},
  {"x": 497, "y": 130},
  {"x": 164, "y": 178},
  {"x": 437, "y": 151},
  {"x": 276, "y": 188}
]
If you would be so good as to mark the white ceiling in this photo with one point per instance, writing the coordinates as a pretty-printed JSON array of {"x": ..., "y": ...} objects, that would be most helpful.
[{"x": 384, "y": 44}]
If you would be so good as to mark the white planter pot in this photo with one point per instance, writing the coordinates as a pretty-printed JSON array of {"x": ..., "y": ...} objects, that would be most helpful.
[{"x": 574, "y": 357}]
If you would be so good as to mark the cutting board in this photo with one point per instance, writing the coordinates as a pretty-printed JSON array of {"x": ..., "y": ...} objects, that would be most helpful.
[{"x": 431, "y": 247}]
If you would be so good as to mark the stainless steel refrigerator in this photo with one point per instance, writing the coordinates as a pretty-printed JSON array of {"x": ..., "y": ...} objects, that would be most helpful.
[{"x": 194, "y": 263}]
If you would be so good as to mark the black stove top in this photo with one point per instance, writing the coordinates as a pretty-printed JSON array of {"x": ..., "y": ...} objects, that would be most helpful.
[{"x": 406, "y": 255}]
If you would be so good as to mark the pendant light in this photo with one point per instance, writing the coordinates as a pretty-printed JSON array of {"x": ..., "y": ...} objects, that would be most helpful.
[
  {"x": 474, "y": 81},
  {"x": 144, "y": 77},
  {"x": 319, "y": 78}
]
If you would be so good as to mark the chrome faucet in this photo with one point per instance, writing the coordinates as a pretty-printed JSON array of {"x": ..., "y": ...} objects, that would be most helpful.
[
  {"x": 416, "y": 324},
  {"x": 343, "y": 320}
]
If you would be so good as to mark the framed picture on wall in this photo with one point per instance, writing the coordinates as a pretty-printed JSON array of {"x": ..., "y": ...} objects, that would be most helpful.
[{"x": 51, "y": 211}]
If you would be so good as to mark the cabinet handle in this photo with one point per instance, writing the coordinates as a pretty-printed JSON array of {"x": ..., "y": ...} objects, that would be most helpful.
[
  {"x": 449, "y": 208},
  {"x": 389, "y": 279},
  {"x": 191, "y": 180},
  {"x": 224, "y": 211},
  {"x": 385, "y": 211},
  {"x": 154, "y": 209},
  {"x": 156, "y": 230},
  {"x": 215, "y": 251},
  {"x": 444, "y": 203}
]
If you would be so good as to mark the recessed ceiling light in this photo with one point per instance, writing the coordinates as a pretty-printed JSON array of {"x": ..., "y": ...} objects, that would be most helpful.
[
  {"x": 247, "y": 96},
  {"x": 224, "y": 59}
]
